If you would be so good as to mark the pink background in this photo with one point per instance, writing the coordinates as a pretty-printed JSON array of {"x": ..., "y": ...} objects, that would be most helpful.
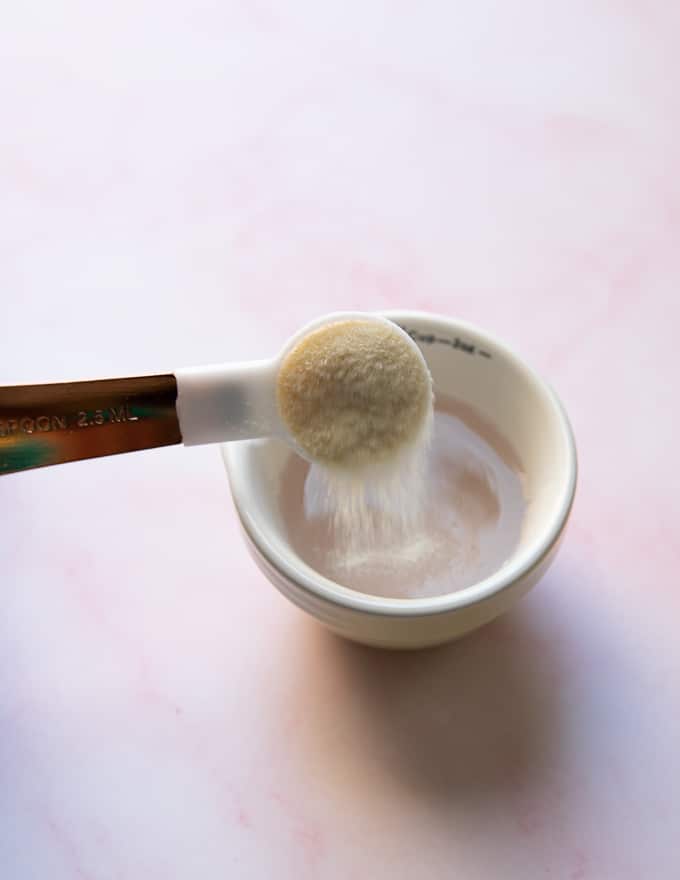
[{"x": 189, "y": 183}]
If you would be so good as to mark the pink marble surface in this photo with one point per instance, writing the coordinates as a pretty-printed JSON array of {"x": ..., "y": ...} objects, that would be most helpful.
[{"x": 187, "y": 183}]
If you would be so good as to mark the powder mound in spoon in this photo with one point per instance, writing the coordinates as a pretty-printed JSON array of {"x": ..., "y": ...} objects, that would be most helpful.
[{"x": 354, "y": 393}]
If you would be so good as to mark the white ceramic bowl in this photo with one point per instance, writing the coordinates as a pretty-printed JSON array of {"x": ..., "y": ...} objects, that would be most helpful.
[{"x": 477, "y": 369}]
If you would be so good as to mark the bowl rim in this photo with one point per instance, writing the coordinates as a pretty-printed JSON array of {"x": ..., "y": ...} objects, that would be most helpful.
[{"x": 325, "y": 589}]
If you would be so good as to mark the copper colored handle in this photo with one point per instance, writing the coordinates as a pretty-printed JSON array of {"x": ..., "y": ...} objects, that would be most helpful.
[{"x": 50, "y": 424}]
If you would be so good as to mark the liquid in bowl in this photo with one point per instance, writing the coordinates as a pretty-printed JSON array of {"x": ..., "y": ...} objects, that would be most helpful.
[{"x": 473, "y": 512}]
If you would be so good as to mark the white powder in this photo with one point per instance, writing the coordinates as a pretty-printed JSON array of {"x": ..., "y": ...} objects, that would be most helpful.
[
  {"x": 356, "y": 396},
  {"x": 372, "y": 506}
]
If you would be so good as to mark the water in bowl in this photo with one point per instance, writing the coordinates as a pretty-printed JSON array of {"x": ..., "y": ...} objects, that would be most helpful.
[{"x": 474, "y": 506}]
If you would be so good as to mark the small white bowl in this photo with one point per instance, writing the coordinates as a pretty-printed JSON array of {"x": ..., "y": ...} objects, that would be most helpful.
[{"x": 477, "y": 369}]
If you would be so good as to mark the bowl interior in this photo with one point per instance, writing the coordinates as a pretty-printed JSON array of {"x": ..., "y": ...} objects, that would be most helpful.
[{"x": 477, "y": 370}]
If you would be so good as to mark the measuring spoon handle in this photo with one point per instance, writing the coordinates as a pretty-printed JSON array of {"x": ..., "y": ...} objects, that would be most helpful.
[{"x": 68, "y": 421}]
